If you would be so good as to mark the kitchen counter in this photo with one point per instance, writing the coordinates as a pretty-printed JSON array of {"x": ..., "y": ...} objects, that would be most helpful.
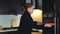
[
  {"x": 8, "y": 30},
  {"x": 34, "y": 30},
  {"x": 14, "y": 31}
]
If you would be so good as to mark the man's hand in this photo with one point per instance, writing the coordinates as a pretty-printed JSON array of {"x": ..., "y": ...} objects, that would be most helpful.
[{"x": 39, "y": 23}]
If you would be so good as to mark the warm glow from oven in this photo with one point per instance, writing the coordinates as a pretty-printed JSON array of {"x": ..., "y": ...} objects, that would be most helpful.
[{"x": 37, "y": 15}]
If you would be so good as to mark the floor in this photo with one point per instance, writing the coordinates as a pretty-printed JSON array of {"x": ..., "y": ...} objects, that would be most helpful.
[{"x": 36, "y": 32}]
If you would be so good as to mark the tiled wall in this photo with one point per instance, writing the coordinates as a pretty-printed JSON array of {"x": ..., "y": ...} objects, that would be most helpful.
[{"x": 6, "y": 20}]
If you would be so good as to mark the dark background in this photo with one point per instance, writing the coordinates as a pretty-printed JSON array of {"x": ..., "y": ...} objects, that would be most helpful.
[{"x": 11, "y": 6}]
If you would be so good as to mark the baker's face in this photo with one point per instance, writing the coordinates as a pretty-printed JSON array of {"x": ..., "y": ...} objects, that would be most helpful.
[{"x": 31, "y": 10}]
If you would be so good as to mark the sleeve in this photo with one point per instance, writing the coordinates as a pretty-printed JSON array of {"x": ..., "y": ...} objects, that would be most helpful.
[{"x": 30, "y": 22}]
